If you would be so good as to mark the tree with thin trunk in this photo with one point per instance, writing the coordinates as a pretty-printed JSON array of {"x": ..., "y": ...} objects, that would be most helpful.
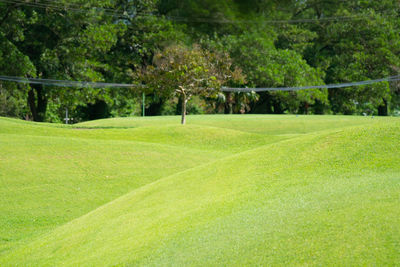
[{"x": 184, "y": 72}]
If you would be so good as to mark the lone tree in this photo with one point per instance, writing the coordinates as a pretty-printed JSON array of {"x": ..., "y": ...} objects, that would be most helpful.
[{"x": 183, "y": 71}]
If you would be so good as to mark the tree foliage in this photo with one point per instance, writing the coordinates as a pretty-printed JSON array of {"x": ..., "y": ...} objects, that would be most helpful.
[
  {"x": 183, "y": 71},
  {"x": 112, "y": 41}
]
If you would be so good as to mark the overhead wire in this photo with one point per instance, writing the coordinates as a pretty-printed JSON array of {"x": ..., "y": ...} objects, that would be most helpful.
[
  {"x": 78, "y": 9},
  {"x": 66, "y": 83},
  {"x": 75, "y": 5},
  {"x": 60, "y": 7},
  {"x": 298, "y": 88},
  {"x": 289, "y": 21},
  {"x": 113, "y": 12},
  {"x": 84, "y": 84}
]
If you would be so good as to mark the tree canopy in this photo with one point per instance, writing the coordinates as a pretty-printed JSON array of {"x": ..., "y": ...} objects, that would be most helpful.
[
  {"x": 178, "y": 70},
  {"x": 274, "y": 44}
]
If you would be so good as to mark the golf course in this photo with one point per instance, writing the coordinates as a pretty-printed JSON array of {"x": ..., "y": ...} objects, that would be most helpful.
[{"x": 241, "y": 190}]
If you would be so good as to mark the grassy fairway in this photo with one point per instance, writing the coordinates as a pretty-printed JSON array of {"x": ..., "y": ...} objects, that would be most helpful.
[{"x": 223, "y": 190}]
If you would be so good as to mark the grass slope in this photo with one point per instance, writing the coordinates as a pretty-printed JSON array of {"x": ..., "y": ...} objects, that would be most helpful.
[
  {"x": 51, "y": 174},
  {"x": 262, "y": 124},
  {"x": 328, "y": 197}
]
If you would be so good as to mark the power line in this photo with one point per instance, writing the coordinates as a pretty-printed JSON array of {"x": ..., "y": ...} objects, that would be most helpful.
[
  {"x": 79, "y": 9},
  {"x": 115, "y": 13},
  {"x": 290, "y": 21},
  {"x": 72, "y": 8},
  {"x": 298, "y": 88},
  {"x": 51, "y": 2},
  {"x": 66, "y": 83},
  {"x": 83, "y": 84}
]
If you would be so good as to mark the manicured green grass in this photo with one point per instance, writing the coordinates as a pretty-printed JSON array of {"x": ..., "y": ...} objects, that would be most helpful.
[
  {"x": 263, "y": 124},
  {"x": 223, "y": 190}
]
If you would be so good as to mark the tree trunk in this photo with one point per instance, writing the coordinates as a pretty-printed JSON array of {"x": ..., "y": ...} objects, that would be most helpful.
[
  {"x": 32, "y": 104},
  {"x": 37, "y": 101},
  {"x": 229, "y": 104},
  {"x": 383, "y": 109},
  {"x": 178, "y": 110},
  {"x": 277, "y": 107},
  {"x": 155, "y": 106},
  {"x": 184, "y": 102}
]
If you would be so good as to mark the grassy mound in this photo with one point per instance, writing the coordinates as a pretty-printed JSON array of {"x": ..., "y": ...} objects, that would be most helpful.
[
  {"x": 262, "y": 124},
  {"x": 318, "y": 198},
  {"x": 51, "y": 174}
]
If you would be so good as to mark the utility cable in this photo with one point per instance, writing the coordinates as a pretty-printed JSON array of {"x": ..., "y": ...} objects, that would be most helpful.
[
  {"x": 83, "y": 84},
  {"x": 298, "y": 88},
  {"x": 66, "y": 83},
  {"x": 116, "y": 13}
]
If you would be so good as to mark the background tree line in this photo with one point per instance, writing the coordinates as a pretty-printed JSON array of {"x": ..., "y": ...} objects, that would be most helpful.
[{"x": 273, "y": 43}]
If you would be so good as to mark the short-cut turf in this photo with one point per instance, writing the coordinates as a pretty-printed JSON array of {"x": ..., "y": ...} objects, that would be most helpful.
[{"x": 223, "y": 190}]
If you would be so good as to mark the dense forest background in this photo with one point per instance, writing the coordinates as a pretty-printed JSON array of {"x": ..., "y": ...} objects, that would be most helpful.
[{"x": 275, "y": 43}]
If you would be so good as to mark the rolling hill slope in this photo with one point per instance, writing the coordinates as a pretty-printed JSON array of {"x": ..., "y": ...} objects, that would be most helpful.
[
  {"x": 327, "y": 196},
  {"x": 51, "y": 174}
]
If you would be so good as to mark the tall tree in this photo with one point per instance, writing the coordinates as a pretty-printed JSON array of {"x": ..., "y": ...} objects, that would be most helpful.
[
  {"x": 364, "y": 47},
  {"x": 183, "y": 71},
  {"x": 60, "y": 41},
  {"x": 266, "y": 66}
]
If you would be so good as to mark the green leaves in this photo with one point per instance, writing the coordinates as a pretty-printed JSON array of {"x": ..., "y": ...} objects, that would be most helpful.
[
  {"x": 266, "y": 66},
  {"x": 113, "y": 41},
  {"x": 359, "y": 50},
  {"x": 12, "y": 61},
  {"x": 184, "y": 71}
]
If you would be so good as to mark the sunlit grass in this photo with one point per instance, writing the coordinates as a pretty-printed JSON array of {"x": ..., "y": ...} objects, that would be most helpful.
[{"x": 225, "y": 190}]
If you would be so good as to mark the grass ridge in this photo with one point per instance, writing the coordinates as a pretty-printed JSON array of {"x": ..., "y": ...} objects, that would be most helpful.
[
  {"x": 321, "y": 175},
  {"x": 313, "y": 135}
]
